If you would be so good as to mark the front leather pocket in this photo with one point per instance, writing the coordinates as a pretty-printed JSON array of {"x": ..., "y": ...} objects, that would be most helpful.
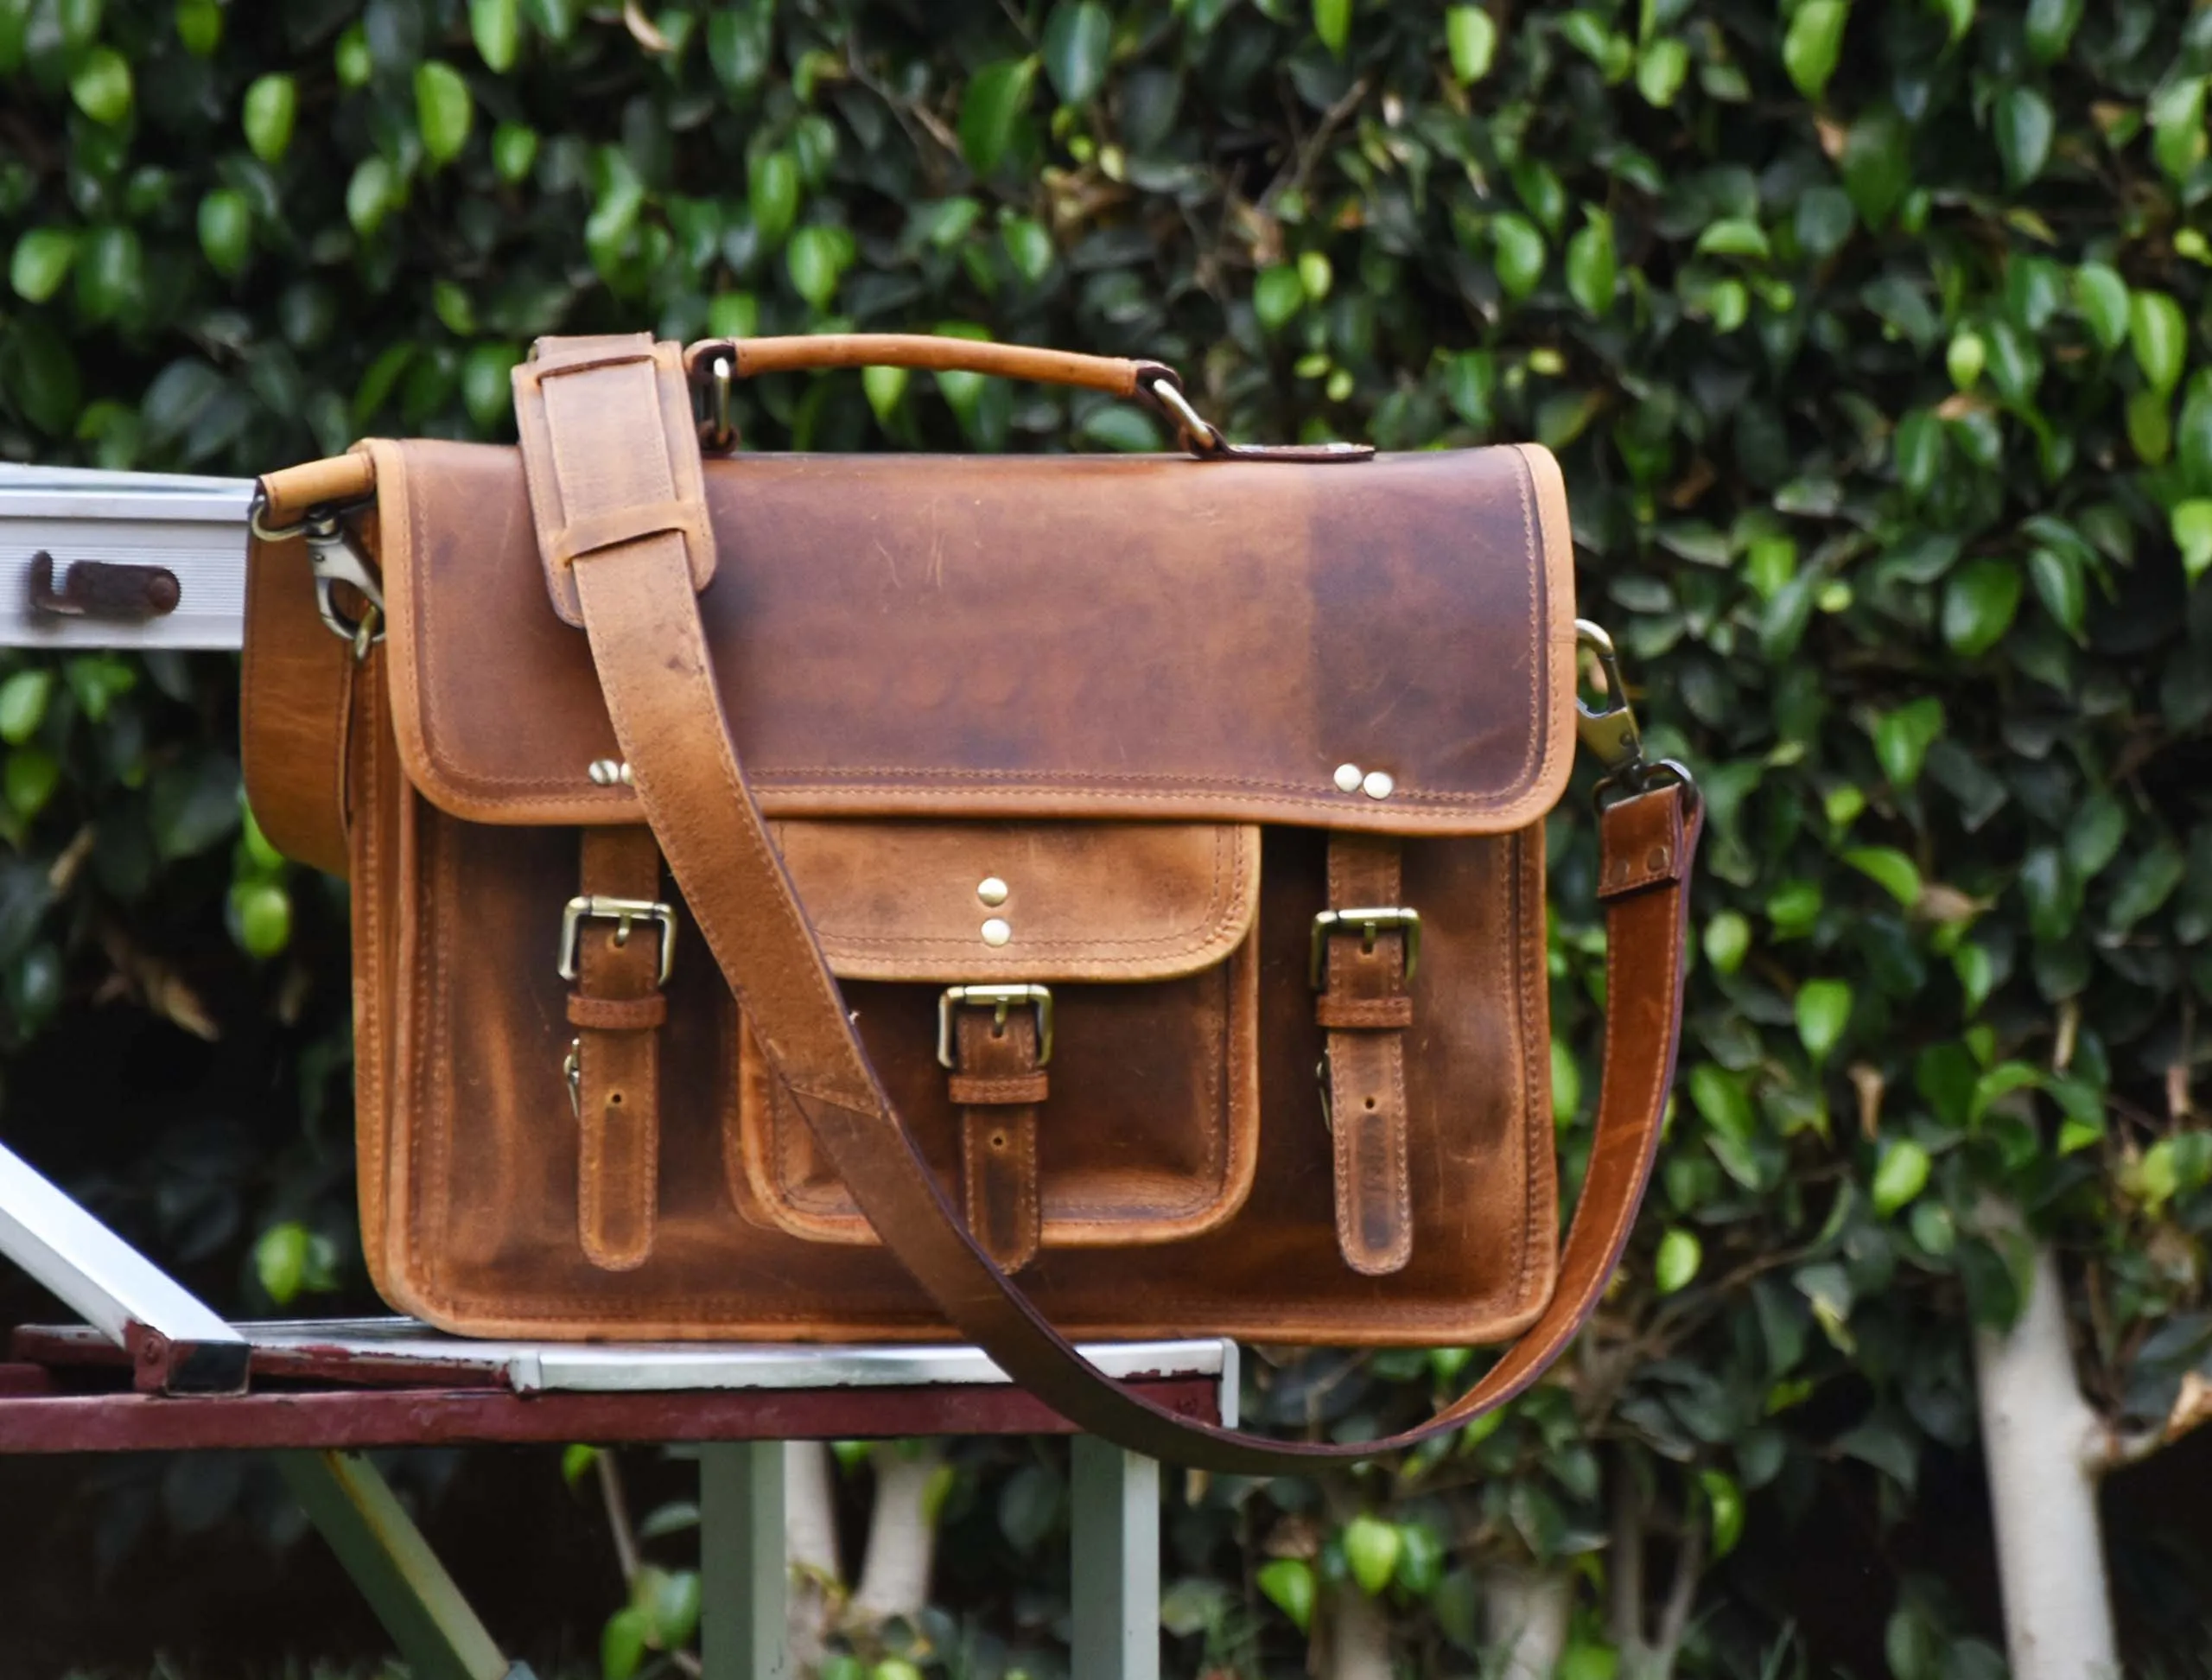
[{"x": 1141, "y": 1126}]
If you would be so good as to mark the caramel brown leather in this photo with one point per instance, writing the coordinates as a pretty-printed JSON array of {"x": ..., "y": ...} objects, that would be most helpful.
[{"x": 923, "y": 651}]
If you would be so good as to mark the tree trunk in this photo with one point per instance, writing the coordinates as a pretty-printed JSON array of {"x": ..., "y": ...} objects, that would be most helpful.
[
  {"x": 1525, "y": 1613},
  {"x": 901, "y": 1531},
  {"x": 1359, "y": 1637},
  {"x": 2038, "y": 1438},
  {"x": 811, "y": 1545}
]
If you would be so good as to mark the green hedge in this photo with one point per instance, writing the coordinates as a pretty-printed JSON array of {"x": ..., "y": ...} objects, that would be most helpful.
[{"x": 1873, "y": 339}]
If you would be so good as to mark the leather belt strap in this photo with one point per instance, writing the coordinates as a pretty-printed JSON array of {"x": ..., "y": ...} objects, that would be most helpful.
[
  {"x": 617, "y": 1009},
  {"x": 999, "y": 1085},
  {"x": 656, "y": 675},
  {"x": 1365, "y": 1011}
]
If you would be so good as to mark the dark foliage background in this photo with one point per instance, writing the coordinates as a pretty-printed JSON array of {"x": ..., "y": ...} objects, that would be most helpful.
[{"x": 1873, "y": 337}]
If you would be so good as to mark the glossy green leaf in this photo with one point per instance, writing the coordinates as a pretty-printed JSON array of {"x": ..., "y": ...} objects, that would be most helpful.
[
  {"x": 1900, "y": 1173},
  {"x": 2191, "y": 524},
  {"x": 1675, "y": 1266},
  {"x": 1902, "y": 738},
  {"x": 270, "y": 107},
  {"x": 23, "y": 699},
  {"x": 2151, "y": 426},
  {"x": 226, "y": 230},
  {"x": 772, "y": 194},
  {"x": 1958, "y": 18},
  {"x": 1470, "y": 41},
  {"x": 1660, "y": 69},
  {"x": 1727, "y": 941},
  {"x": 1979, "y": 600},
  {"x": 1592, "y": 267},
  {"x": 2177, "y": 138},
  {"x": 1823, "y": 1010},
  {"x": 2101, "y": 297},
  {"x": 1734, "y": 237},
  {"x": 372, "y": 194},
  {"x": 1876, "y": 164},
  {"x": 2158, "y": 333},
  {"x": 1277, "y": 295},
  {"x": 1078, "y": 36},
  {"x": 1964, "y": 361},
  {"x": 1372, "y": 1549},
  {"x": 1288, "y": 1583},
  {"x": 1814, "y": 43},
  {"x": 496, "y": 28},
  {"x": 1332, "y": 22},
  {"x": 2022, "y": 123},
  {"x": 263, "y": 910},
  {"x": 1520, "y": 253},
  {"x": 622, "y": 1644},
  {"x": 200, "y": 26},
  {"x": 1723, "y": 1504},
  {"x": 444, "y": 110},
  {"x": 816, "y": 258},
  {"x": 997, "y": 96},
  {"x": 514, "y": 151},
  {"x": 1889, "y": 868},
  {"x": 280, "y": 1260},
  {"x": 2049, "y": 27},
  {"x": 42, "y": 263},
  {"x": 102, "y": 86}
]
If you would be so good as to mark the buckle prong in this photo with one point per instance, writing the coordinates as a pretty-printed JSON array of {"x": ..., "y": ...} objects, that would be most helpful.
[{"x": 624, "y": 913}]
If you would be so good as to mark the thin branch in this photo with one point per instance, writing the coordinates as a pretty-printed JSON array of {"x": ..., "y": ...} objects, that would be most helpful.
[
  {"x": 1309, "y": 152},
  {"x": 1682, "y": 1599},
  {"x": 617, "y": 1513},
  {"x": 1624, "y": 1570}
]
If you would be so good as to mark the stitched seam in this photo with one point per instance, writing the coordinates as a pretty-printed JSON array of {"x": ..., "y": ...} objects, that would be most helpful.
[{"x": 1536, "y": 1133}]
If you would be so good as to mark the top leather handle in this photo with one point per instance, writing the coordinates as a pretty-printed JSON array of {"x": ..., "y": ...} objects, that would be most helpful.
[
  {"x": 656, "y": 673},
  {"x": 927, "y": 353}
]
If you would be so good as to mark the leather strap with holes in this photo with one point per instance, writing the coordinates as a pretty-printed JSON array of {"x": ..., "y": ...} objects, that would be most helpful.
[
  {"x": 618, "y": 1009},
  {"x": 636, "y": 603},
  {"x": 1364, "y": 1009}
]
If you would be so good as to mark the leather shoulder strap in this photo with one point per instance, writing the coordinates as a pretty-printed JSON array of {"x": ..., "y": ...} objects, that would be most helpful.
[{"x": 636, "y": 599}]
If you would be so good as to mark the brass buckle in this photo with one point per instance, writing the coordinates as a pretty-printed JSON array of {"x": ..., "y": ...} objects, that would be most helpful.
[
  {"x": 572, "y": 1070},
  {"x": 1370, "y": 922},
  {"x": 1000, "y": 1000},
  {"x": 624, "y": 913}
]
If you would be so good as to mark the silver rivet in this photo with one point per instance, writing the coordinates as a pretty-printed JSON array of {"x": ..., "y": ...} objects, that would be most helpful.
[
  {"x": 997, "y": 930},
  {"x": 607, "y": 772},
  {"x": 991, "y": 890},
  {"x": 1348, "y": 779},
  {"x": 1378, "y": 784}
]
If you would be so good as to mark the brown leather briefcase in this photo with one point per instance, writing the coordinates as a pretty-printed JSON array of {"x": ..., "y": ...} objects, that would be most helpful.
[{"x": 806, "y": 897}]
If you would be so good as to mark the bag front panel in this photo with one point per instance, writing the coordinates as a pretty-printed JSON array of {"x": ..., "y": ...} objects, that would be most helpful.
[{"x": 474, "y": 1148}]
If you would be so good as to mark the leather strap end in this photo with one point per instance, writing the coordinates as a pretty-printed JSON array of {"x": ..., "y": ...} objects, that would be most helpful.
[
  {"x": 289, "y": 493},
  {"x": 1641, "y": 843}
]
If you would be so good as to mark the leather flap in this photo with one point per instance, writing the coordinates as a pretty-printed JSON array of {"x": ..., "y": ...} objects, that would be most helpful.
[
  {"x": 985, "y": 901},
  {"x": 1385, "y": 646}
]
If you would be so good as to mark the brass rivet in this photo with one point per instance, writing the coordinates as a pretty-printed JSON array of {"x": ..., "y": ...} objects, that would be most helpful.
[
  {"x": 1657, "y": 860},
  {"x": 1378, "y": 784},
  {"x": 991, "y": 890},
  {"x": 1348, "y": 779},
  {"x": 997, "y": 930}
]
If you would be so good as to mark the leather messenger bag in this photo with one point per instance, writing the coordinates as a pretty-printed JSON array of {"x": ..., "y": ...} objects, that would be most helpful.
[{"x": 804, "y": 897}]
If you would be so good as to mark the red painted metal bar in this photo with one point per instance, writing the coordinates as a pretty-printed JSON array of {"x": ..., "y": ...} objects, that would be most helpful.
[{"x": 115, "y": 1423}]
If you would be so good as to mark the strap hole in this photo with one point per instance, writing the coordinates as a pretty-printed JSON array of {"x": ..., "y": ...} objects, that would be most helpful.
[
  {"x": 1370, "y": 1105},
  {"x": 614, "y": 1099},
  {"x": 998, "y": 1140}
]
